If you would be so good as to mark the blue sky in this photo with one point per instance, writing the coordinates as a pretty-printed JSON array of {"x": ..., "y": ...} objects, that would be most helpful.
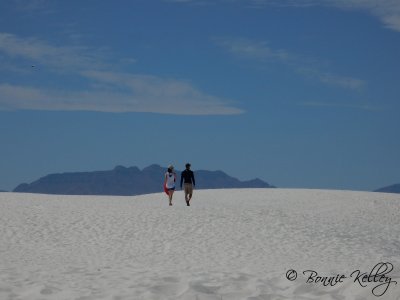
[{"x": 298, "y": 93}]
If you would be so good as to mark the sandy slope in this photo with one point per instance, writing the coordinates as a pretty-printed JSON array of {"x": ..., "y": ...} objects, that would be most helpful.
[{"x": 230, "y": 244}]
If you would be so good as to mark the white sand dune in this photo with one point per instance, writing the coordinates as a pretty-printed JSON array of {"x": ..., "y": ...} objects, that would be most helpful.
[{"x": 230, "y": 244}]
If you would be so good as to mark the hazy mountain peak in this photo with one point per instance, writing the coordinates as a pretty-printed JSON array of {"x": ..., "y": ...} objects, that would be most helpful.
[{"x": 127, "y": 181}]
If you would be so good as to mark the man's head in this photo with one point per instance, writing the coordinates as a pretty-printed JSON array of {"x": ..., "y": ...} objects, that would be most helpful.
[{"x": 187, "y": 166}]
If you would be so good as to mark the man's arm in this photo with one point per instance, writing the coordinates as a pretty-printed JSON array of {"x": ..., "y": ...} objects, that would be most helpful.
[{"x": 194, "y": 183}]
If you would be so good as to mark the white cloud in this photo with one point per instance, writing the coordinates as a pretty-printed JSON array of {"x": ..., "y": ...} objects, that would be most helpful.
[
  {"x": 145, "y": 94},
  {"x": 345, "y": 82},
  {"x": 107, "y": 91},
  {"x": 361, "y": 106},
  {"x": 180, "y": 1},
  {"x": 192, "y": 2},
  {"x": 37, "y": 7},
  {"x": 342, "y": 81},
  {"x": 387, "y": 11},
  {"x": 308, "y": 67},
  {"x": 252, "y": 49},
  {"x": 59, "y": 58},
  {"x": 30, "y": 4}
]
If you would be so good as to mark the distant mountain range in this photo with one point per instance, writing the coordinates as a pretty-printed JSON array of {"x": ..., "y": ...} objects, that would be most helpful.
[
  {"x": 128, "y": 181},
  {"x": 394, "y": 188}
]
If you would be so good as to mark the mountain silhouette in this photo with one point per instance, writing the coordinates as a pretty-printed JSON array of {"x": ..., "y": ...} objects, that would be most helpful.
[
  {"x": 394, "y": 188},
  {"x": 128, "y": 181}
]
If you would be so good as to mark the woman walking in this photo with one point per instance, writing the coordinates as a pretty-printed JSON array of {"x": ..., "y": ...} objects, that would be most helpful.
[{"x": 169, "y": 182}]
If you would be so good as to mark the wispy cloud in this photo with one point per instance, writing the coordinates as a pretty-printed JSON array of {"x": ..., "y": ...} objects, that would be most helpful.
[
  {"x": 306, "y": 66},
  {"x": 180, "y": 1},
  {"x": 387, "y": 11},
  {"x": 326, "y": 77},
  {"x": 259, "y": 50},
  {"x": 192, "y": 2},
  {"x": 360, "y": 106},
  {"x": 106, "y": 91},
  {"x": 61, "y": 58},
  {"x": 33, "y": 6},
  {"x": 30, "y": 4},
  {"x": 166, "y": 98}
]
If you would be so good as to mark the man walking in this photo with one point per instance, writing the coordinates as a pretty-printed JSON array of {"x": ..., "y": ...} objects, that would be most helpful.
[{"x": 187, "y": 177}]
